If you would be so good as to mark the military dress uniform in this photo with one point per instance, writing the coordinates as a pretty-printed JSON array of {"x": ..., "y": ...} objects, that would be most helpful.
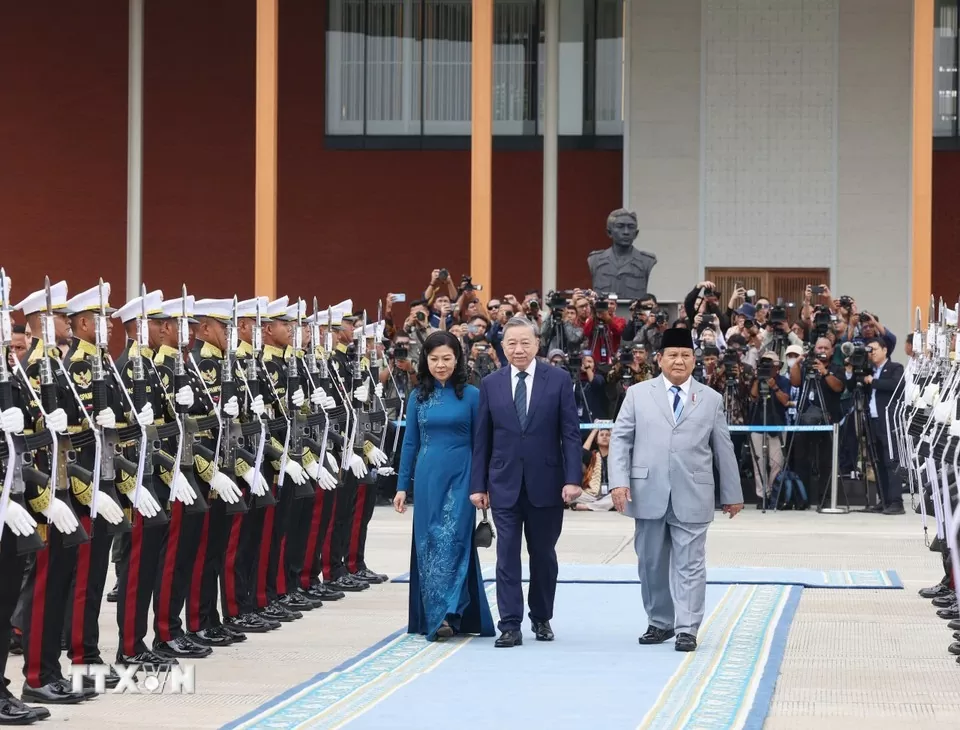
[{"x": 46, "y": 589}]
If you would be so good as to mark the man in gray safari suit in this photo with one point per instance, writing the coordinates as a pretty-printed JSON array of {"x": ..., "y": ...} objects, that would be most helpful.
[{"x": 668, "y": 434}]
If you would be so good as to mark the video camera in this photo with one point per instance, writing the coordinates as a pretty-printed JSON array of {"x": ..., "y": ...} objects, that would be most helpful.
[
  {"x": 766, "y": 369},
  {"x": 399, "y": 352},
  {"x": 661, "y": 318},
  {"x": 731, "y": 363},
  {"x": 778, "y": 314},
  {"x": 821, "y": 321},
  {"x": 856, "y": 356}
]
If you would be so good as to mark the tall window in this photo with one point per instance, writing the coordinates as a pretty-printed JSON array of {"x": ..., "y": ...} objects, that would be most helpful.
[
  {"x": 402, "y": 67},
  {"x": 945, "y": 45}
]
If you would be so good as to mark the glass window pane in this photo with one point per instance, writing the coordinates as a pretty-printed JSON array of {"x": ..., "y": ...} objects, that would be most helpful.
[
  {"x": 516, "y": 37},
  {"x": 446, "y": 66},
  {"x": 609, "y": 67},
  {"x": 945, "y": 69},
  {"x": 393, "y": 67},
  {"x": 345, "y": 67}
]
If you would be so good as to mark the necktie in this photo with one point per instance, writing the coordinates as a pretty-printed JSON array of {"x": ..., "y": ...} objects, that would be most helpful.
[
  {"x": 677, "y": 403},
  {"x": 520, "y": 399}
]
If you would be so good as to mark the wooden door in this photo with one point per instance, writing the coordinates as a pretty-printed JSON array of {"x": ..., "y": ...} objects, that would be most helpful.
[{"x": 785, "y": 284}]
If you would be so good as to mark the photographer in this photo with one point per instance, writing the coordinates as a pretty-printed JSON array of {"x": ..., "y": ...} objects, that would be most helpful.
[
  {"x": 532, "y": 308},
  {"x": 632, "y": 367},
  {"x": 559, "y": 331},
  {"x": 651, "y": 334},
  {"x": 822, "y": 384},
  {"x": 505, "y": 312},
  {"x": 481, "y": 362},
  {"x": 705, "y": 299},
  {"x": 417, "y": 327},
  {"x": 592, "y": 404},
  {"x": 441, "y": 313},
  {"x": 776, "y": 336},
  {"x": 399, "y": 377},
  {"x": 440, "y": 282},
  {"x": 603, "y": 331},
  {"x": 770, "y": 394},
  {"x": 731, "y": 378},
  {"x": 707, "y": 331},
  {"x": 641, "y": 315}
]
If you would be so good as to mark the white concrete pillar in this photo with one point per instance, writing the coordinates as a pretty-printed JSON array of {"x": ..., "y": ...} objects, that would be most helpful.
[
  {"x": 135, "y": 149},
  {"x": 551, "y": 119}
]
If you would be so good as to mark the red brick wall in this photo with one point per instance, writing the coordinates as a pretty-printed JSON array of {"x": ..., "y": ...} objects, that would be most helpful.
[{"x": 946, "y": 225}]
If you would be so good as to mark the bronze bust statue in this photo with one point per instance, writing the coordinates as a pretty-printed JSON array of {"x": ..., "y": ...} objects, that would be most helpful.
[{"x": 621, "y": 269}]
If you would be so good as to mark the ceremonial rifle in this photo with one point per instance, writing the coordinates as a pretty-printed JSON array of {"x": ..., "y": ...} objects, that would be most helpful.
[
  {"x": 18, "y": 459},
  {"x": 188, "y": 426},
  {"x": 300, "y": 426},
  {"x": 253, "y": 390}
]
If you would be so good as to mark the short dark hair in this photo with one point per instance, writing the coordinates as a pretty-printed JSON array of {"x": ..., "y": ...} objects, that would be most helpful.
[
  {"x": 419, "y": 303},
  {"x": 736, "y": 340},
  {"x": 19, "y": 329},
  {"x": 647, "y": 297},
  {"x": 682, "y": 322},
  {"x": 483, "y": 319},
  {"x": 876, "y": 341}
]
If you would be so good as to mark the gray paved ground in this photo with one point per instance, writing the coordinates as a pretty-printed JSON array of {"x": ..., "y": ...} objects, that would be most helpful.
[{"x": 869, "y": 659}]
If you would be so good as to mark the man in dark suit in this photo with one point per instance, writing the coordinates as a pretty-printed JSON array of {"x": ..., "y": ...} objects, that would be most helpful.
[
  {"x": 526, "y": 464},
  {"x": 885, "y": 389}
]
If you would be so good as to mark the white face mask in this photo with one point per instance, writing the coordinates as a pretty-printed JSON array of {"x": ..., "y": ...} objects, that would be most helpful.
[{"x": 791, "y": 361}]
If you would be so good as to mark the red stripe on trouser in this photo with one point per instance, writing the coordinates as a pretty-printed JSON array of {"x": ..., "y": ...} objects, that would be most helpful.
[
  {"x": 230, "y": 566},
  {"x": 80, "y": 594},
  {"x": 34, "y": 644},
  {"x": 264, "y": 557},
  {"x": 354, "y": 548},
  {"x": 169, "y": 568},
  {"x": 281, "y": 570},
  {"x": 196, "y": 579},
  {"x": 133, "y": 587},
  {"x": 307, "y": 570},
  {"x": 325, "y": 565}
]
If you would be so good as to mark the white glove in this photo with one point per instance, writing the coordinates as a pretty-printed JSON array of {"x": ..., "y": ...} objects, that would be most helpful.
[
  {"x": 317, "y": 396},
  {"x": 231, "y": 408},
  {"x": 256, "y": 482},
  {"x": 257, "y": 406},
  {"x": 930, "y": 393},
  {"x": 19, "y": 520},
  {"x": 61, "y": 516},
  {"x": 325, "y": 479},
  {"x": 145, "y": 416},
  {"x": 297, "y": 398},
  {"x": 57, "y": 421},
  {"x": 146, "y": 504},
  {"x": 955, "y": 428},
  {"x": 332, "y": 462},
  {"x": 11, "y": 421},
  {"x": 378, "y": 390},
  {"x": 106, "y": 419},
  {"x": 376, "y": 457},
  {"x": 184, "y": 396},
  {"x": 224, "y": 486},
  {"x": 385, "y": 471},
  {"x": 182, "y": 491},
  {"x": 362, "y": 393},
  {"x": 944, "y": 411},
  {"x": 356, "y": 465},
  {"x": 911, "y": 393},
  {"x": 108, "y": 509},
  {"x": 293, "y": 470}
]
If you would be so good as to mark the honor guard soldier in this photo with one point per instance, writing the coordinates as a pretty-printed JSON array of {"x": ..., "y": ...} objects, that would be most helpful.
[
  {"x": 47, "y": 587},
  {"x": 98, "y": 414},
  {"x": 20, "y": 529},
  {"x": 243, "y": 556},
  {"x": 284, "y": 473},
  {"x": 140, "y": 579},
  {"x": 186, "y": 550}
]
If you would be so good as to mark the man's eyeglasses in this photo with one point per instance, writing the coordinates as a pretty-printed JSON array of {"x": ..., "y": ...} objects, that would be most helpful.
[
  {"x": 869, "y": 350},
  {"x": 763, "y": 306}
]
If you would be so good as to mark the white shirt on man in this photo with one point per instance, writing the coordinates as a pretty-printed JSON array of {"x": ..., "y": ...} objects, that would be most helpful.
[
  {"x": 531, "y": 368},
  {"x": 684, "y": 392}
]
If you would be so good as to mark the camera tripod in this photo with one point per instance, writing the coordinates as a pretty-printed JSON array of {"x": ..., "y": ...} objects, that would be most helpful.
[
  {"x": 866, "y": 449},
  {"x": 812, "y": 385},
  {"x": 761, "y": 461},
  {"x": 602, "y": 336}
]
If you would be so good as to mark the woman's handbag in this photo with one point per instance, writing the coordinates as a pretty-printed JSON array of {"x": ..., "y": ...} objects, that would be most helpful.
[{"x": 483, "y": 534}]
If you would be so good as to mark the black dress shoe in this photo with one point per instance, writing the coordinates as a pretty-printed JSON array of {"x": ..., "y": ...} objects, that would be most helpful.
[
  {"x": 940, "y": 589},
  {"x": 945, "y": 601},
  {"x": 145, "y": 658},
  {"x": 181, "y": 648},
  {"x": 949, "y": 613},
  {"x": 114, "y": 592},
  {"x": 936, "y": 545},
  {"x": 365, "y": 574},
  {"x": 954, "y": 625},
  {"x": 685, "y": 642},
  {"x": 348, "y": 585},
  {"x": 16, "y": 643},
  {"x": 874, "y": 508},
  {"x": 290, "y": 613},
  {"x": 38, "y": 711},
  {"x": 211, "y": 637},
  {"x": 250, "y": 623},
  {"x": 314, "y": 601},
  {"x": 235, "y": 631},
  {"x": 326, "y": 593},
  {"x": 276, "y": 612},
  {"x": 295, "y": 602},
  {"x": 509, "y": 639},
  {"x": 14, "y": 712},
  {"x": 954, "y": 648},
  {"x": 58, "y": 692},
  {"x": 542, "y": 630},
  {"x": 655, "y": 635},
  {"x": 893, "y": 509}
]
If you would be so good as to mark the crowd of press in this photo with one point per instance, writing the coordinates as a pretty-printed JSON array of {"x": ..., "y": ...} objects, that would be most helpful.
[{"x": 817, "y": 363}]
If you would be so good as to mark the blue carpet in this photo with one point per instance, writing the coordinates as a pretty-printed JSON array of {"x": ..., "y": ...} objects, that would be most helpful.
[
  {"x": 593, "y": 676},
  {"x": 627, "y": 573}
]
